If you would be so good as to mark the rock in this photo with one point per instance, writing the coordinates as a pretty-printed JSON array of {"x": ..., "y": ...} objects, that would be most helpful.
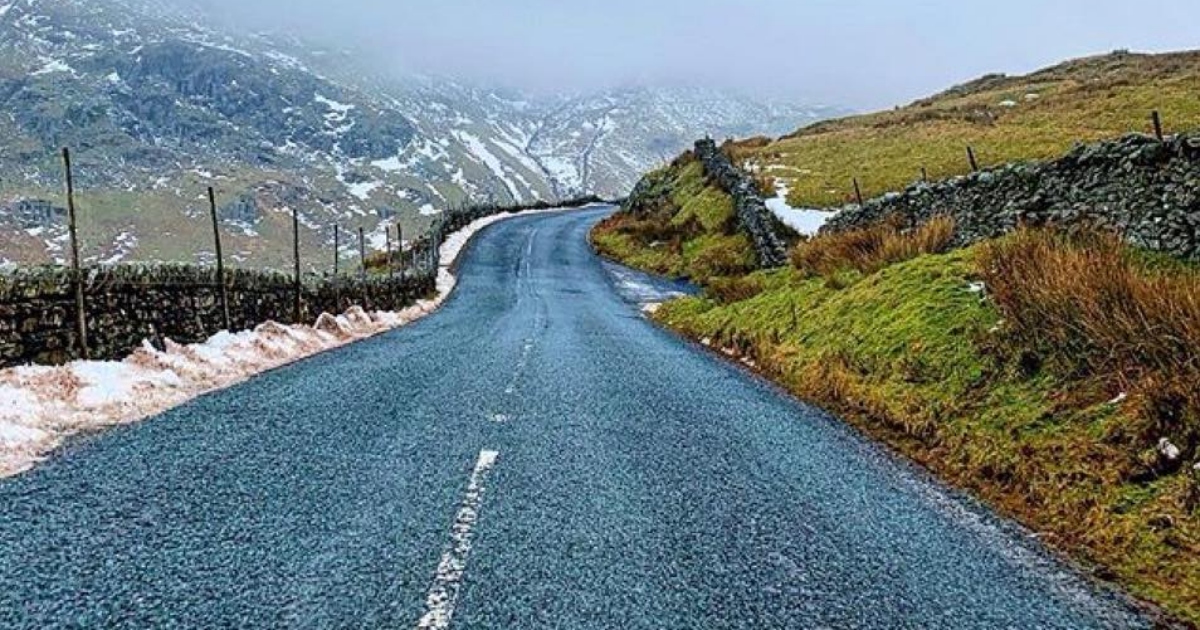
[{"x": 1168, "y": 451}]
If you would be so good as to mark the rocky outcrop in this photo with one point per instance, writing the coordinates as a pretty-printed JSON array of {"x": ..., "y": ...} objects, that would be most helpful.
[
  {"x": 752, "y": 214},
  {"x": 128, "y": 304},
  {"x": 1146, "y": 189},
  {"x": 243, "y": 209},
  {"x": 28, "y": 214}
]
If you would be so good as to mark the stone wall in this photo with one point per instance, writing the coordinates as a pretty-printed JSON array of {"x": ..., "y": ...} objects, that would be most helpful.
[
  {"x": 1146, "y": 189},
  {"x": 128, "y": 304},
  {"x": 753, "y": 216}
]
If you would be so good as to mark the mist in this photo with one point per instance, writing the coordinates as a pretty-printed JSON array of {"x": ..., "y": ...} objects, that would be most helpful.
[{"x": 857, "y": 53}]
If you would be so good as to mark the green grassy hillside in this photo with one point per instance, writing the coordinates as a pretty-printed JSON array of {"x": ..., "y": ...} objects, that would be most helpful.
[
  {"x": 1053, "y": 376},
  {"x": 1005, "y": 119},
  {"x": 680, "y": 226}
]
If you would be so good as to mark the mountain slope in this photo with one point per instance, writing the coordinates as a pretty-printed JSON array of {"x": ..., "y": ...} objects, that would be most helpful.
[
  {"x": 1003, "y": 118},
  {"x": 157, "y": 106}
]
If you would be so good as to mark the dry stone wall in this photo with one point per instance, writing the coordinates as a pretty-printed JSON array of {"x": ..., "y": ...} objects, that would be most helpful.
[
  {"x": 128, "y": 304},
  {"x": 752, "y": 214},
  {"x": 1144, "y": 188}
]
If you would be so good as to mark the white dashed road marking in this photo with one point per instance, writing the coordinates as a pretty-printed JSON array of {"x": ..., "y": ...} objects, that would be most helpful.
[{"x": 439, "y": 604}]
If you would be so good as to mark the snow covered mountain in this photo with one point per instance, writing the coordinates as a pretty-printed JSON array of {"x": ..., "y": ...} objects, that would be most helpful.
[{"x": 157, "y": 104}]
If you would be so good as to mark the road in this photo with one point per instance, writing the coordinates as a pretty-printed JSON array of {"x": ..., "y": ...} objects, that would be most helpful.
[{"x": 534, "y": 455}]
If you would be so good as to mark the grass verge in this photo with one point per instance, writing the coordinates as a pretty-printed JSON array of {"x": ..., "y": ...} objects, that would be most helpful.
[{"x": 1040, "y": 372}]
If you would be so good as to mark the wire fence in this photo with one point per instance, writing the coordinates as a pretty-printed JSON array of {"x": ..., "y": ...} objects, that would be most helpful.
[{"x": 400, "y": 272}]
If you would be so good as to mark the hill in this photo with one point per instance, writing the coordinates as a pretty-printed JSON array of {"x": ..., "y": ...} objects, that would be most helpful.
[
  {"x": 1003, "y": 119},
  {"x": 1050, "y": 372},
  {"x": 159, "y": 103}
]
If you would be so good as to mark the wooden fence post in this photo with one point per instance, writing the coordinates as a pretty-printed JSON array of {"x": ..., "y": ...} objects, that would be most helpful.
[
  {"x": 858, "y": 192},
  {"x": 400, "y": 245},
  {"x": 1156, "y": 118},
  {"x": 972, "y": 160},
  {"x": 296, "y": 310},
  {"x": 362, "y": 253},
  {"x": 222, "y": 290},
  {"x": 924, "y": 174},
  {"x": 387, "y": 229},
  {"x": 435, "y": 246},
  {"x": 337, "y": 280},
  {"x": 76, "y": 272}
]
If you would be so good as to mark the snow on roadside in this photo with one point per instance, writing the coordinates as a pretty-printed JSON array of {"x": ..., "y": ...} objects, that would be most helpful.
[
  {"x": 805, "y": 221},
  {"x": 40, "y": 406}
]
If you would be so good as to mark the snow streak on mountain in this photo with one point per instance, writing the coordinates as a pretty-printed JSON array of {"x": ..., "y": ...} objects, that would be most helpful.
[{"x": 157, "y": 105}]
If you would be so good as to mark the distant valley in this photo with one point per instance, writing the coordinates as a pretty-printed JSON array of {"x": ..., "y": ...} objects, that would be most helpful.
[{"x": 157, "y": 106}]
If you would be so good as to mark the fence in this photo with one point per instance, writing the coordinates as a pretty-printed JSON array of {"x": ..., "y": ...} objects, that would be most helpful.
[
  {"x": 53, "y": 314},
  {"x": 1142, "y": 185},
  {"x": 975, "y": 166}
]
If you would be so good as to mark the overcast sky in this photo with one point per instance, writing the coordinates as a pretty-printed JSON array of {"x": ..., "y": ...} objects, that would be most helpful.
[{"x": 860, "y": 53}]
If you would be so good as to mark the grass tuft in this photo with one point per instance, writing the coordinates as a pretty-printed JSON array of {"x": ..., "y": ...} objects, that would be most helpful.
[
  {"x": 870, "y": 249},
  {"x": 1100, "y": 310}
]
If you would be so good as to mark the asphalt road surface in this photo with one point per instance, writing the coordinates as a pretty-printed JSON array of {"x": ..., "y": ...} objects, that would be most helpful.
[{"x": 534, "y": 455}]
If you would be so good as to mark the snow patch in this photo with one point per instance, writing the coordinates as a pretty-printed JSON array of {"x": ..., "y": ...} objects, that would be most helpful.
[
  {"x": 52, "y": 66},
  {"x": 806, "y": 221},
  {"x": 481, "y": 152}
]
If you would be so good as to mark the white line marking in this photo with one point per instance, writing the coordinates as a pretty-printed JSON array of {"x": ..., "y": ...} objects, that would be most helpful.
[
  {"x": 522, "y": 363},
  {"x": 529, "y": 254},
  {"x": 439, "y": 604}
]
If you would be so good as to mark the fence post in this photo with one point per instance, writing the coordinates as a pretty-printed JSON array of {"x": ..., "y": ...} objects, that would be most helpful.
[
  {"x": 858, "y": 192},
  {"x": 924, "y": 174},
  {"x": 972, "y": 160},
  {"x": 362, "y": 253},
  {"x": 1156, "y": 118},
  {"x": 337, "y": 281},
  {"x": 296, "y": 310},
  {"x": 222, "y": 290},
  {"x": 400, "y": 245},
  {"x": 387, "y": 229},
  {"x": 435, "y": 245},
  {"x": 76, "y": 273}
]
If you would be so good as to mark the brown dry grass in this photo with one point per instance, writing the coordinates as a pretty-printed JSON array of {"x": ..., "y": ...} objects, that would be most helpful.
[
  {"x": 870, "y": 249},
  {"x": 1100, "y": 311}
]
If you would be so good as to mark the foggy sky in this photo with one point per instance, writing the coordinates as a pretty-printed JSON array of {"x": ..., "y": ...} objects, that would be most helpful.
[{"x": 859, "y": 53}]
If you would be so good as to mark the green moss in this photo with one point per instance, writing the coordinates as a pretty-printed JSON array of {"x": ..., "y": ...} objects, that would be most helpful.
[
  {"x": 911, "y": 320},
  {"x": 686, "y": 182},
  {"x": 711, "y": 208}
]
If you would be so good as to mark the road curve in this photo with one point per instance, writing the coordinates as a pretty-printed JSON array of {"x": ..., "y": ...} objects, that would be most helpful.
[{"x": 534, "y": 455}]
